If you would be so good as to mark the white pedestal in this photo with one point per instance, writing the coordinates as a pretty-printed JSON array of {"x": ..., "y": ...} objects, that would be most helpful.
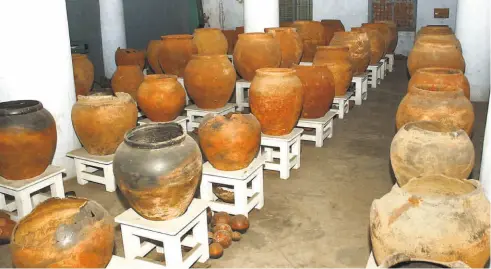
[
  {"x": 181, "y": 120},
  {"x": 181, "y": 81},
  {"x": 390, "y": 65},
  {"x": 385, "y": 64},
  {"x": 231, "y": 58},
  {"x": 196, "y": 114},
  {"x": 341, "y": 104},
  {"x": 241, "y": 91},
  {"x": 371, "y": 262},
  {"x": 306, "y": 63},
  {"x": 89, "y": 167},
  {"x": 323, "y": 128},
  {"x": 374, "y": 74},
  {"x": 284, "y": 148},
  {"x": 21, "y": 190},
  {"x": 135, "y": 228},
  {"x": 361, "y": 88},
  {"x": 245, "y": 199}
]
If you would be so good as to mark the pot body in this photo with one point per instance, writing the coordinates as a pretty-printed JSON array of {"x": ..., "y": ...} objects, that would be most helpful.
[
  {"x": 153, "y": 50},
  {"x": 383, "y": 29},
  {"x": 27, "y": 139},
  {"x": 276, "y": 98},
  {"x": 210, "y": 80},
  {"x": 331, "y": 27},
  {"x": 290, "y": 44},
  {"x": 338, "y": 61},
  {"x": 130, "y": 57},
  {"x": 83, "y": 74},
  {"x": 377, "y": 43},
  {"x": 359, "y": 48},
  {"x": 313, "y": 35},
  {"x": 127, "y": 78},
  {"x": 393, "y": 37},
  {"x": 115, "y": 116},
  {"x": 210, "y": 41},
  {"x": 231, "y": 36},
  {"x": 175, "y": 53},
  {"x": 441, "y": 76}
]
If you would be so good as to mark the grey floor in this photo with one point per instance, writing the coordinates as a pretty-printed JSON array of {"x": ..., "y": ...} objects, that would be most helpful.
[{"x": 320, "y": 216}]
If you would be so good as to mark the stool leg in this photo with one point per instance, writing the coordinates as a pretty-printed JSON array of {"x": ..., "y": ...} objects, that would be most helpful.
[
  {"x": 205, "y": 189},
  {"x": 172, "y": 252},
  {"x": 365, "y": 88},
  {"x": 3, "y": 203},
  {"x": 284, "y": 162},
  {"x": 200, "y": 234},
  {"x": 131, "y": 242},
  {"x": 184, "y": 126},
  {"x": 258, "y": 187},
  {"x": 23, "y": 203},
  {"x": 329, "y": 128},
  {"x": 57, "y": 189},
  {"x": 319, "y": 136},
  {"x": 239, "y": 97},
  {"x": 240, "y": 198},
  {"x": 80, "y": 168},
  {"x": 358, "y": 93},
  {"x": 374, "y": 78},
  {"x": 296, "y": 152},
  {"x": 109, "y": 179},
  {"x": 341, "y": 110}
]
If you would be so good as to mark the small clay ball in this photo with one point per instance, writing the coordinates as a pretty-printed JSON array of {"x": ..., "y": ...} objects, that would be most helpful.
[
  {"x": 216, "y": 250},
  {"x": 223, "y": 237},
  {"x": 222, "y": 226},
  {"x": 236, "y": 236},
  {"x": 209, "y": 214},
  {"x": 239, "y": 223},
  {"x": 220, "y": 217}
]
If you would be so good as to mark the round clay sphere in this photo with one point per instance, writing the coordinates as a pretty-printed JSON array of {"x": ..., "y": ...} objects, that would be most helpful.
[
  {"x": 223, "y": 237},
  {"x": 216, "y": 250},
  {"x": 220, "y": 217},
  {"x": 239, "y": 223},
  {"x": 236, "y": 236},
  {"x": 222, "y": 226}
]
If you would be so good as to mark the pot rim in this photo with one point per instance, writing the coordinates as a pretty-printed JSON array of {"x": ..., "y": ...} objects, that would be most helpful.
[
  {"x": 160, "y": 77},
  {"x": 417, "y": 125},
  {"x": 162, "y": 142},
  {"x": 305, "y": 22},
  {"x": 280, "y": 29},
  {"x": 437, "y": 199},
  {"x": 120, "y": 98},
  {"x": 398, "y": 258},
  {"x": 257, "y": 35},
  {"x": 278, "y": 72},
  {"x": 181, "y": 36},
  {"x": 423, "y": 88},
  {"x": 210, "y": 29},
  {"x": 129, "y": 50},
  {"x": 440, "y": 71},
  {"x": 19, "y": 107}
]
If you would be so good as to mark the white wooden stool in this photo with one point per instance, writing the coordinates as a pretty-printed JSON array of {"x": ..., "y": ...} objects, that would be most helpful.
[
  {"x": 181, "y": 120},
  {"x": 21, "y": 191},
  {"x": 306, "y": 63},
  {"x": 391, "y": 62},
  {"x": 323, "y": 128},
  {"x": 245, "y": 199},
  {"x": 242, "y": 94},
  {"x": 231, "y": 58},
  {"x": 135, "y": 228},
  {"x": 383, "y": 71},
  {"x": 340, "y": 104},
  {"x": 286, "y": 148},
  {"x": 181, "y": 81},
  {"x": 195, "y": 114},
  {"x": 374, "y": 74},
  {"x": 93, "y": 168},
  {"x": 361, "y": 88},
  {"x": 371, "y": 262}
]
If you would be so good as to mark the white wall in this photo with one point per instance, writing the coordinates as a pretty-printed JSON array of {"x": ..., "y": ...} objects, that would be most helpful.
[
  {"x": 352, "y": 13},
  {"x": 426, "y": 9},
  {"x": 233, "y": 13}
]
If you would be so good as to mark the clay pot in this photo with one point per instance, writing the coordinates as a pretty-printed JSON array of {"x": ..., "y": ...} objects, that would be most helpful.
[
  {"x": 401, "y": 260},
  {"x": 220, "y": 217},
  {"x": 230, "y": 142},
  {"x": 377, "y": 43},
  {"x": 318, "y": 90},
  {"x": 127, "y": 78},
  {"x": 231, "y": 36},
  {"x": 210, "y": 41},
  {"x": 222, "y": 237},
  {"x": 447, "y": 105},
  {"x": 331, "y": 27},
  {"x": 337, "y": 59},
  {"x": 433, "y": 217},
  {"x": 210, "y": 80},
  {"x": 68, "y": 233},
  {"x": 431, "y": 148},
  {"x": 239, "y": 223},
  {"x": 383, "y": 29},
  {"x": 313, "y": 35},
  {"x": 83, "y": 74},
  {"x": 359, "y": 48},
  {"x": 161, "y": 97},
  {"x": 394, "y": 36},
  {"x": 157, "y": 169},
  {"x": 443, "y": 76},
  {"x": 276, "y": 98},
  {"x": 222, "y": 226},
  {"x": 6, "y": 227},
  {"x": 290, "y": 44},
  {"x": 254, "y": 51},
  {"x": 115, "y": 116},
  {"x": 216, "y": 251},
  {"x": 27, "y": 139},
  {"x": 439, "y": 33},
  {"x": 130, "y": 57},
  {"x": 175, "y": 53},
  {"x": 153, "y": 51}
]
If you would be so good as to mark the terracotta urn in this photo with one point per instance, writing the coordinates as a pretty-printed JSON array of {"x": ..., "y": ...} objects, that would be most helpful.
[
  {"x": 161, "y": 97},
  {"x": 210, "y": 80},
  {"x": 401, "y": 260},
  {"x": 83, "y": 74},
  {"x": 130, "y": 57},
  {"x": 394, "y": 36},
  {"x": 445, "y": 104},
  {"x": 313, "y": 35},
  {"x": 431, "y": 148},
  {"x": 153, "y": 50},
  {"x": 359, "y": 48},
  {"x": 158, "y": 168},
  {"x": 27, "y": 139},
  {"x": 7, "y": 226},
  {"x": 230, "y": 142},
  {"x": 432, "y": 217},
  {"x": 337, "y": 59},
  {"x": 290, "y": 44},
  {"x": 254, "y": 51},
  {"x": 64, "y": 233},
  {"x": 318, "y": 90},
  {"x": 331, "y": 27},
  {"x": 175, "y": 53},
  {"x": 443, "y": 76},
  {"x": 377, "y": 43},
  {"x": 231, "y": 36},
  {"x": 210, "y": 41},
  {"x": 115, "y": 116},
  {"x": 383, "y": 29},
  {"x": 276, "y": 98},
  {"x": 127, "y": 78}
]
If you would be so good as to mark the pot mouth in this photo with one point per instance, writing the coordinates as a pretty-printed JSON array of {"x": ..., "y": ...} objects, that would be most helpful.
[
  {"x": 434, "y": 127},
  {"x": 280, "y": 29},
  {"x": 209, "y": 57},
  {"x": 440, "y": 71},
  {"x": 278, "y": 72},
  {"x": 438, "y": 88},
  {"x": 256, "y": 35},
  {"x": 207, "y": 30},
  {"x": 101, "y": 100},
  {"x": 164, "y": 37},
  {"x": 19, "y": 107},
  {"x": 129, "y": 50},
  {"x": 439, "y": 186},
  {"x": 155, "y": 136},
  {"x": 160, "y": 77},
  {"x": 79, "y": 56}
]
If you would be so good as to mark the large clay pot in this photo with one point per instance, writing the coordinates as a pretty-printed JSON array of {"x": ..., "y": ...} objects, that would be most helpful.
[
  {"x": 64, "y": 233},
  {"x": 383, "y": 29},
  {"x": 444, "y": 76},
  {"x": 230, "y": 142},
  {"x": 254, "y": 51},
  {"x": 331, "y": 27},
  {"x": 339, "y": 63},
  {"x": 157, "y": 169},
  {"x": 401, "y": 260},
  {"x": 359, "y": 48},
  {"x": 175, "y": 53},
  {"x": 394, "y": 35},
  {"x": 433, "y": 217},
  {"x": 130, "y": 57},
  {"x": 127, "y": 78},
  {"x": 434, "y": 29},
  {"x": 318, "y": 90},
  {"x": 377, "y": 43},
  {"x": 313, "y": 35},
  {"x": 290, "y": 44},
  {"x": 431, "y": 148},
  {"x": 210, "y": 80},
  {"x": 276, "y": 98},
  {"x": 161, "y": 97},
  {"x": 83, "y": 74},
  {"x": 210, "y": 41},
  {"x": 101, "y": 121},
  {"x": 231, "y": 36},
  {"x": 153, "y": 51},
  {"x": 447, "y": 105},
  {"x": 27, "y": 139}
]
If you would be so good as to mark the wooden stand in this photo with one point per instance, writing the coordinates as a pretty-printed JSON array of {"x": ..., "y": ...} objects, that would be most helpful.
[
  {"x": 196, "y": 114},
  {"x": 93, "y": 168},
  {"x": 323, "y": 128},
  {"x": 241, "y": 91},
  {"x": 341, "y": 104},
  {"x": 361, "y": 88},
  {"x": 181, "y": 120}
]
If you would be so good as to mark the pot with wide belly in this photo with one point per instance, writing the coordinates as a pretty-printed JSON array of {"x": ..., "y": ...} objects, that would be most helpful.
[
  {"x": 337, "y": 59},
  {"x": 127, "y": 79},
  {"x": 130, "y": 57},
  {"x": 153, "y": 50},
  {"x": 83, "y": 74},
  {"x": 313, "y": 35},
  {"x": 210, "y": 41},
  {"x": 441, "y": 76},
  {"x": 359, "y": 48},
  {"x": 231, "y": 36},
  {"x": 331, "y": 27},
  {"x": 290, "y": 44},
  {"x": 175, "y": 53}
]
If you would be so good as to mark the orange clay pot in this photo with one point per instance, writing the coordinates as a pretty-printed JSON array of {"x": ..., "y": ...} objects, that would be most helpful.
[
  {"x": 338, "y": 61},
  {"x": 231, "y": 36},
  {"x": 290, "y": 43},
  {"x": 331, "y": 27},
  {"x": 210, "y": 41},
  {"x": 377, "y": 43},
  {"x": 313, "y": 35},
  {"x": 383, "y": 29},
  {"x": 153, "y": 50},
  {"x": 127, "y": 78},
  {"x": 443, "y": 76},
  {"x": 393, "y": 37},
  {"x": 175, "y": 53},
  {"x": 83, "y": 74},
  {"x": 359, "y": 48},
  {"x": 130, "y": 57}
]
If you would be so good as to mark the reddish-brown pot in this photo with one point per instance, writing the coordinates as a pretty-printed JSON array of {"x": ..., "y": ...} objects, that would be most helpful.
[
  {"x": 130, "y": 57},
  {"x": 290, "y": 43},
  {"x": 231, "y": 36},
  {"x": 230, "y": 142},
  {"x": 313, "y": 35},
  {"x": 377, "y": 43},
  {"x": 210, "y": 41},
  {"x": 83, "y": 73},
  {"x": 210, "y": 80},
  {"x": 7, "y": 226},
  {"x": 394, "y": 36},
  {"x": 161, "y": 97},
  {"x": 338, "y": 61},
  {"x": 331, "y": 27},
  {"x": 127, "y": 78},
  {"x": 175, "y": 53},
  {"x": 254, "y": 51},
  {"x": 359, "y": 48},
  {"x": 153, "y": 50},
  {"x": 318, "y": 90},
  {"x": 276, "y": 98},
  {"x": 383, "y": 29},
  {"x": 443, "y": 76}
]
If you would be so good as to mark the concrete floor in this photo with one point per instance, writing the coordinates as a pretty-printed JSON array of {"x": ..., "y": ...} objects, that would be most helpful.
[{"x": 320, "y": 216}]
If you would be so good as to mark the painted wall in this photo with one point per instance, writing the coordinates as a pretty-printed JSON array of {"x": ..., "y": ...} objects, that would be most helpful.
[
  {"x": 352, "y": 13},
  {"x": 231, "y": 17},
  {"x": 425, "y": 13}
]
